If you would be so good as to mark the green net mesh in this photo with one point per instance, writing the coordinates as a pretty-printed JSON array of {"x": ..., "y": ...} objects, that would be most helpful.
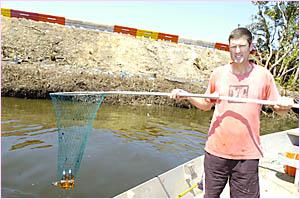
[{"x": 75, "y": 113}]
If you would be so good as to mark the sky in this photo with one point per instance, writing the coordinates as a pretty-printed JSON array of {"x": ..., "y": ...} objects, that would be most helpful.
[{"x": 210, "y": 21}]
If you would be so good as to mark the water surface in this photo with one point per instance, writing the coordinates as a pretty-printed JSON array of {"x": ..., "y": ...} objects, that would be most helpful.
[{"x": 128, "y": 145}]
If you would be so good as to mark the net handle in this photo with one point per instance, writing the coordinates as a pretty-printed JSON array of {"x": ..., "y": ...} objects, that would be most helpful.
[{"x": 207, "y": 96}]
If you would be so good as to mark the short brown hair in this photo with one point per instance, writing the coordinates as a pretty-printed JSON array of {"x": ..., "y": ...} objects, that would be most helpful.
[{"x": 239, "y": 33}]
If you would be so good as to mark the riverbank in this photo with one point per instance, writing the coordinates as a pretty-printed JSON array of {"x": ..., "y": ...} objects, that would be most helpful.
[
  {"x": 39, "y": 58},
  {"x": 37, "y": 81}
]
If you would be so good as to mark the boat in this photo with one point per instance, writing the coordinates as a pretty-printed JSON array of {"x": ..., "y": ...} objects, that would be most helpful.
[{"x": 187, "y": 180}]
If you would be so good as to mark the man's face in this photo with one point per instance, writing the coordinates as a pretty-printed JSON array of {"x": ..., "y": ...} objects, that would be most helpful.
[{"x": 239, "y": 50}]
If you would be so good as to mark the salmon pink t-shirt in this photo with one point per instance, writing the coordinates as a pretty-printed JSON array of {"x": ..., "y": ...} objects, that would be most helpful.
[{"x": 234, "y": 130}]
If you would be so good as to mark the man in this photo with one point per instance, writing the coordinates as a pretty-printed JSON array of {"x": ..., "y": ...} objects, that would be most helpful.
[{"x": 232, "y": 150}]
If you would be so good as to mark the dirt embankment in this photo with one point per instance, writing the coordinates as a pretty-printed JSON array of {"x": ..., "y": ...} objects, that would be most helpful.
[{"x": 39, "y": 58}]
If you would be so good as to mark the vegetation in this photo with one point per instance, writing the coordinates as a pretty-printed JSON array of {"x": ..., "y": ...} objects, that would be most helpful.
[{"x": 276, "y": 32}]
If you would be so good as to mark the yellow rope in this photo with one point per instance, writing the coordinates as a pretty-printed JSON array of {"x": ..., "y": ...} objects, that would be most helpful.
[{"x": 188, "y": 190}]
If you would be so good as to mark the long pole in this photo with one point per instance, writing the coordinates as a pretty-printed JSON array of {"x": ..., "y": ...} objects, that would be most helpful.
[{"x": 208, "y": 96}]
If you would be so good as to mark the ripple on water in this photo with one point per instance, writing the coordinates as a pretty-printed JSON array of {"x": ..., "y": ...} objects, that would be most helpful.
[{"x": 13, "y": 193}]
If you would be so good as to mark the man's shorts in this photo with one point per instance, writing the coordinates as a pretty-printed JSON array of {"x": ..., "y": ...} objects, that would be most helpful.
[{"x": 241, "y": 174}]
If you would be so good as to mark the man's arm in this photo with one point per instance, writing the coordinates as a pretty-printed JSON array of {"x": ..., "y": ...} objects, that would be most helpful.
[{"x": 200, "y": 103}]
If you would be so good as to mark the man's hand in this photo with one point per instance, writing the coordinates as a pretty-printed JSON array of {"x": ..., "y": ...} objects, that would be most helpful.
[
  {"x": 176, "y": 94},
  {"x": 284, "y": 105},
  {"x": 204, "y": 104}
]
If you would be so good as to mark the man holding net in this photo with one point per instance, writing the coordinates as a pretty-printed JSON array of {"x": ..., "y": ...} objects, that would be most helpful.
[{"x": 232, "y": 150}]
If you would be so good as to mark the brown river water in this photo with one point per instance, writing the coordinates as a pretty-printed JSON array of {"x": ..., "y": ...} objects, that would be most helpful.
[{"x": 127, "y": 146}]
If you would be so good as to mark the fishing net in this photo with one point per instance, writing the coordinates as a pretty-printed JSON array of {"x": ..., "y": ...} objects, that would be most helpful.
[{"x": 75, "y": 113}]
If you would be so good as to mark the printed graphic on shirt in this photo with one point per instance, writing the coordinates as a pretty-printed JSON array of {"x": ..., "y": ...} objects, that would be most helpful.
[{"x": 239, "y": 91}]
